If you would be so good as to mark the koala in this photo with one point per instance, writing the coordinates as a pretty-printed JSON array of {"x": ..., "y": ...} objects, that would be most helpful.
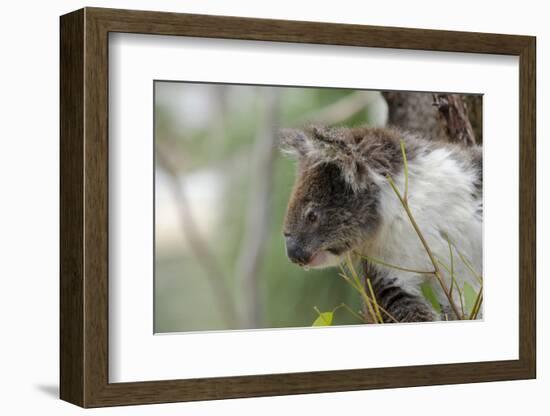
[{"x": 342, "y": 204}]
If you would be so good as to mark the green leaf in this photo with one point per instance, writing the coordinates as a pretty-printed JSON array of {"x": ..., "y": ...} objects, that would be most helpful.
[
  {"x": 429, "y": 295},
  {"x": 324, "y": 319},
  {"x": 470, "y": 296}
]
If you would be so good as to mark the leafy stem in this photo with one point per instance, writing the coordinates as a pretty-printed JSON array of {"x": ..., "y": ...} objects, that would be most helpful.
[{"x": 393, "y": 266}]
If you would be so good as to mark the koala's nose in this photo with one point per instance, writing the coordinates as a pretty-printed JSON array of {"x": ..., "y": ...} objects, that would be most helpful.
[{"x": 295, "y": 252}]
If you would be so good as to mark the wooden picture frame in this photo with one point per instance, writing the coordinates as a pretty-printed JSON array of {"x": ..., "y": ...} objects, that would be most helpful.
[{"x": 84, "y": 207}]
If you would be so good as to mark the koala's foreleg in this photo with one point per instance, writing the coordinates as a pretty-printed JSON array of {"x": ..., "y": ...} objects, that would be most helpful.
[{"x": 401, "y": 305}]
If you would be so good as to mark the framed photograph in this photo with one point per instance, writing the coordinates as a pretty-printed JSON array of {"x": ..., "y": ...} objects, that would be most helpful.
[{"x": 255, "y": 207}]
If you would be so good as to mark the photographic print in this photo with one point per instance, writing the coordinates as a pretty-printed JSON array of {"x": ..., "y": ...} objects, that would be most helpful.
[
  {"x": 282, "y": 207},
  {"x": 262, "y": 206}
]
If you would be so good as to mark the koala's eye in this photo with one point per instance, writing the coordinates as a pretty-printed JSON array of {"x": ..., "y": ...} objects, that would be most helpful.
[{"x": 312, "y": 216}]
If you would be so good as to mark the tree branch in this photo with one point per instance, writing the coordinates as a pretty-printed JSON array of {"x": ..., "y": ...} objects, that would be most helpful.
[
  {"x": 342, "y": 109},
  {"x": 454, "y": 115},
  {"x": 446, "y": 117}
]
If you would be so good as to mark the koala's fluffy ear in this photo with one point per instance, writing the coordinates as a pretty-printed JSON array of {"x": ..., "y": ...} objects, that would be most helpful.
[
  {"x": 321, "y": 144},
  {"x": 338, "y": 145},
  {"x": 293, "y": 142}
]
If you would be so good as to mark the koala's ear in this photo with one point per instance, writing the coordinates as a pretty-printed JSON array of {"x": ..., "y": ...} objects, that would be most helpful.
[
  {"x": 335, "y": 145},
  {"x": 338, "y": 146},
  {"x": 294, "y": 142}
]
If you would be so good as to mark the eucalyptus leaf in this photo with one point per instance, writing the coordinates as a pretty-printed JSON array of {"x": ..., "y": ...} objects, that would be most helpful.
[
  {"x": 429, "y": 295},
  {"x": 470, "y": 296},
  {"x": 324, "y": 319}
]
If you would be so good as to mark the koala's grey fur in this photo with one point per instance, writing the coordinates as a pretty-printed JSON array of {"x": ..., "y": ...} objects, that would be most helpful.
[{"x": 342, "y": 203}]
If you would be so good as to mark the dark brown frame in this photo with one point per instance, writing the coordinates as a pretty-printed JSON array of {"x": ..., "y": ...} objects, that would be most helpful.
[{"x": 84, "y": 207}]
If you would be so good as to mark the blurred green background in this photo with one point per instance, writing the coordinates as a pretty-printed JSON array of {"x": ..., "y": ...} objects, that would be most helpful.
[{"x": 221, "y": 189}]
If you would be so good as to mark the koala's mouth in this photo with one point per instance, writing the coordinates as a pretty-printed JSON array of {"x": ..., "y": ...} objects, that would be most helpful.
[
  {"x": 318, "y": 259},
  {"x": 325, "y": 257}
]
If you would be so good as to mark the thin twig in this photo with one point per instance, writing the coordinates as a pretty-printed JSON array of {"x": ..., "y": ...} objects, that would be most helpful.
[
  {"x": 364, "y": 295},
  {"x": 452, "y": 271},
  {"x": 389, "y": 315},
  {"x": 376, "y": 308},
  {"x": 406, "y": 168},
  {"x": 392, "y": 266},
  {"x": 360, "y": 287},
  {"x": 469, "y": 265},
  {"x": 457, "y": 287},
  {"x": 351, "y": 311},
  {"x": 477, "y": 304}
]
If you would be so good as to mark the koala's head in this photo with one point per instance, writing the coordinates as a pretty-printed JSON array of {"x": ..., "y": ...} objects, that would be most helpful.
[{"x": 334, "y": 205}]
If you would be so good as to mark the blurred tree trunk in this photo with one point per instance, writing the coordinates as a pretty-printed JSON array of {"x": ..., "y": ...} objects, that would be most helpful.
[
  {"x": 258, "y": 212},
  {"x": 448, "y": 117}
]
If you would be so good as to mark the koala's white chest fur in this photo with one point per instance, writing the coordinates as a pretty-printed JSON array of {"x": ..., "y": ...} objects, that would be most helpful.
[{"x": 443, "y": 200}]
